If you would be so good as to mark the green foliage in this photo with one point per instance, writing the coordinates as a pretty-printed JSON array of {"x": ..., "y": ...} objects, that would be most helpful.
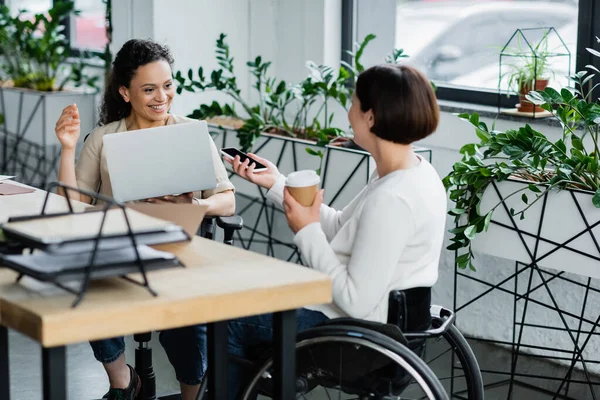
[
  {"x": 526, "y": 154},
  {"x": 530, "y": 63},
  {"x": 301, "y": 110},
  {"x": 319, "y": 154},
  {"x": 34, "y": 50},
  {"x": 213, "y": 110}
]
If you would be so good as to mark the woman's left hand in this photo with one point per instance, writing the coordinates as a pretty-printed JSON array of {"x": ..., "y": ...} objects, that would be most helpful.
[
  {"x": 299, "y": 216},
  {"x": 184, "y": 198}
]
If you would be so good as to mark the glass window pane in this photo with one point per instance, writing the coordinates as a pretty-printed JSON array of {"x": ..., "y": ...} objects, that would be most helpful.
[
  {"x": 32, "y": 6},
  {"x": 88, "y": 31},
  {"x": 459, "y": 42}
]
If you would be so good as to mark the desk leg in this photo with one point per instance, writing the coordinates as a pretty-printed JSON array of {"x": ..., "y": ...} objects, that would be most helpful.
[
  {"x": 284, "y": 362},
  {"x": 54, "y": 371},
  {"x": 218, "y": 355},
  {"x": 4, "y": 371}
]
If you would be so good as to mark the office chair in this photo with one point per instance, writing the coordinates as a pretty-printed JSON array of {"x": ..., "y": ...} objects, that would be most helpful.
[{"x": 143, "y": 352}]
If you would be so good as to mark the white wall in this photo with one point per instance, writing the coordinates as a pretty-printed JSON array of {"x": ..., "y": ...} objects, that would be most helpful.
[{"x": 285, "y": 32}]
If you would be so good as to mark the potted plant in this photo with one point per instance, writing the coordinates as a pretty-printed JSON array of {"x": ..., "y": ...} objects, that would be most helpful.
[
  {"x": 518, "y": 171},
  {"x": 301, "y": 110},
  {"x": 39, "y": 80},
  {"x": 530, "y": 70},
  {"x": 34, "y": 50},
  {"x": 292, "y": 124}
]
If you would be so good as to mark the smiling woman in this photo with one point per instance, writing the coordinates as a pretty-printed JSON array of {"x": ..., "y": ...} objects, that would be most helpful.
[{"x": 138, "y": 95}]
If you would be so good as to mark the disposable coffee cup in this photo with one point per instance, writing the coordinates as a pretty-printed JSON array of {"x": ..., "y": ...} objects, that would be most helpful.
[{"x": 303, "y": 186}]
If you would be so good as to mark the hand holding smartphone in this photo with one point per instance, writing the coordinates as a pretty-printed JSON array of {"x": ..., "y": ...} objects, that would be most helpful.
[{"x": 231, "y": 152}]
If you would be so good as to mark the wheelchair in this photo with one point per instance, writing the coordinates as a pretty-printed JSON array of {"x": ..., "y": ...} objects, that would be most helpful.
[{"x": 347, "y": 358}]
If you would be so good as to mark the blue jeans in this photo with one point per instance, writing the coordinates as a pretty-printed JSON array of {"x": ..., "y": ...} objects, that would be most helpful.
[{"x": 186, "y": 347}]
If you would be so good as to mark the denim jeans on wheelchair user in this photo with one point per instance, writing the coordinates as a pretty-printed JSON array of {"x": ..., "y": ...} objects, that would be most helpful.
[{"x": 245, "y": 335}]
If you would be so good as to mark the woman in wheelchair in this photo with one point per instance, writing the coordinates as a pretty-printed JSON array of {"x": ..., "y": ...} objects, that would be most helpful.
[{"x": 389, "y": 237}]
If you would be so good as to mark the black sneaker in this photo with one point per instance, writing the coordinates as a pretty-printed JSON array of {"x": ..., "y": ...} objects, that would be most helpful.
[{"x": 130, "y": 392}]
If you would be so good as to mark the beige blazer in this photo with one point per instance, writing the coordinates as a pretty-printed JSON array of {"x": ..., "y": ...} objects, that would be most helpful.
[{"x": 91, "y": 170}]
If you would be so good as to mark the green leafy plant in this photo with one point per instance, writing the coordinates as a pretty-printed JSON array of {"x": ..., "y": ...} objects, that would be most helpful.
[
  {"x": 34, "y": 50},
  {"x": 302, "y": 110},
  {"x": 527, "y": 155}
]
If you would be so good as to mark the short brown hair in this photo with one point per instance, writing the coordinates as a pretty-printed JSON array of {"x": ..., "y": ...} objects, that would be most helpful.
[{"x": 402, "y": 100}]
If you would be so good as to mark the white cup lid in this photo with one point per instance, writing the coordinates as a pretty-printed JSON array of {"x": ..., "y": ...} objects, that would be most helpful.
[{"x": 303, "y": 178}]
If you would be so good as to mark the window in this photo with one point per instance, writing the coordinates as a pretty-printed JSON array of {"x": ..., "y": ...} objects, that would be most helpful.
[
  {"x": 32, "y": 6},
  {"x": 88, "y": 30},
  {"x": 457, "y": 43}
]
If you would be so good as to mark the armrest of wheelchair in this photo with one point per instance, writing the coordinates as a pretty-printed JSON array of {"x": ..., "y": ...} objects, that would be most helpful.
[
  {"x": 441, "y": 320},
  {"x": 234, "y": 223}
]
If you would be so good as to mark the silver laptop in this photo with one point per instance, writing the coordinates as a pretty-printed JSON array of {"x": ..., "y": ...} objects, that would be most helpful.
[{"x": 160, "y": 161}]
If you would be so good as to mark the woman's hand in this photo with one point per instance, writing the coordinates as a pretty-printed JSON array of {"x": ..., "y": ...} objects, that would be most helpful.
[
  {"x": 265, "y": 179},
  {"x": 68, "y": 127},
  {"x": 184, "y": 198},
  {"x": 299, "y": 216}
]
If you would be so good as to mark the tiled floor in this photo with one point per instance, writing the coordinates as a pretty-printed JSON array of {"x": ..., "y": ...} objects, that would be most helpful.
[{"x": 86, "y": 378}]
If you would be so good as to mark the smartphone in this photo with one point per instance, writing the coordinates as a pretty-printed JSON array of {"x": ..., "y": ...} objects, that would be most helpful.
[{"x": 231, "y": 152}]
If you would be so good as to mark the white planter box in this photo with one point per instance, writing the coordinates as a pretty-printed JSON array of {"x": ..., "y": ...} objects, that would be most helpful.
[
  {"x": 562, "y": 224},
  {"x": 34, "y": 113}
]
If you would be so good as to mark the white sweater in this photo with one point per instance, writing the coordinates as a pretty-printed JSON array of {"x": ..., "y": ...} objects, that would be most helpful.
[{"x": 389, "y": 237}]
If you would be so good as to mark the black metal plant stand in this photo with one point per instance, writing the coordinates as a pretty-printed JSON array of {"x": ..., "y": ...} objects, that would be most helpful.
[
  {"x": 540, "y": 282},
  {"x": 34, "y": 163}
]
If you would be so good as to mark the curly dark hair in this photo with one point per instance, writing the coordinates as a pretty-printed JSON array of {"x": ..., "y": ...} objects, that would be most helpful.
[{"x": 134, "y": 54}]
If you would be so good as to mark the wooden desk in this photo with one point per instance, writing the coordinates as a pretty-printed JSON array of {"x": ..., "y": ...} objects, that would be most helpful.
[{"x": 219, "y": 282}]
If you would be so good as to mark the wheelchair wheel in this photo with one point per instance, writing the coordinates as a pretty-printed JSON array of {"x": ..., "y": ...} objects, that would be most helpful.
[
  {"x": 451, "y": 359},
  {"x": 344, "y": 362}
]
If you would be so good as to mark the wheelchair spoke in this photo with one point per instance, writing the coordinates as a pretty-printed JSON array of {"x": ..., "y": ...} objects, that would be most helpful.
[
  {"x": 316, "y": 366},
  {"x": 341, "y": 363},
  {"x": 450, "y": 377}
]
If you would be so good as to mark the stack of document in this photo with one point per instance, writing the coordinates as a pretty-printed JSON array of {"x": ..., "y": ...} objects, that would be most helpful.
[
  {"x": 100, "y": 243},
  {"x": 79, "y": 232},
  {"x": 73, "y": 266}
]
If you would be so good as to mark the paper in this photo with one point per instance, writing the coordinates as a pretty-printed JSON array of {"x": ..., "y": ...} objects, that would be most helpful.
[
  {"x": 10, "y": 189},
  {"x": 5, "y": 177},
  {"x": 51, "y": 264},
  {"x": 57, "y": 229}
]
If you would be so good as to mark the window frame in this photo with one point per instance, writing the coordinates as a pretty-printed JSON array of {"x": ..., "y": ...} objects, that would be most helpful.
[
  {"x": 588, "y": 22},
  {"x": 75, "y": 51}
]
